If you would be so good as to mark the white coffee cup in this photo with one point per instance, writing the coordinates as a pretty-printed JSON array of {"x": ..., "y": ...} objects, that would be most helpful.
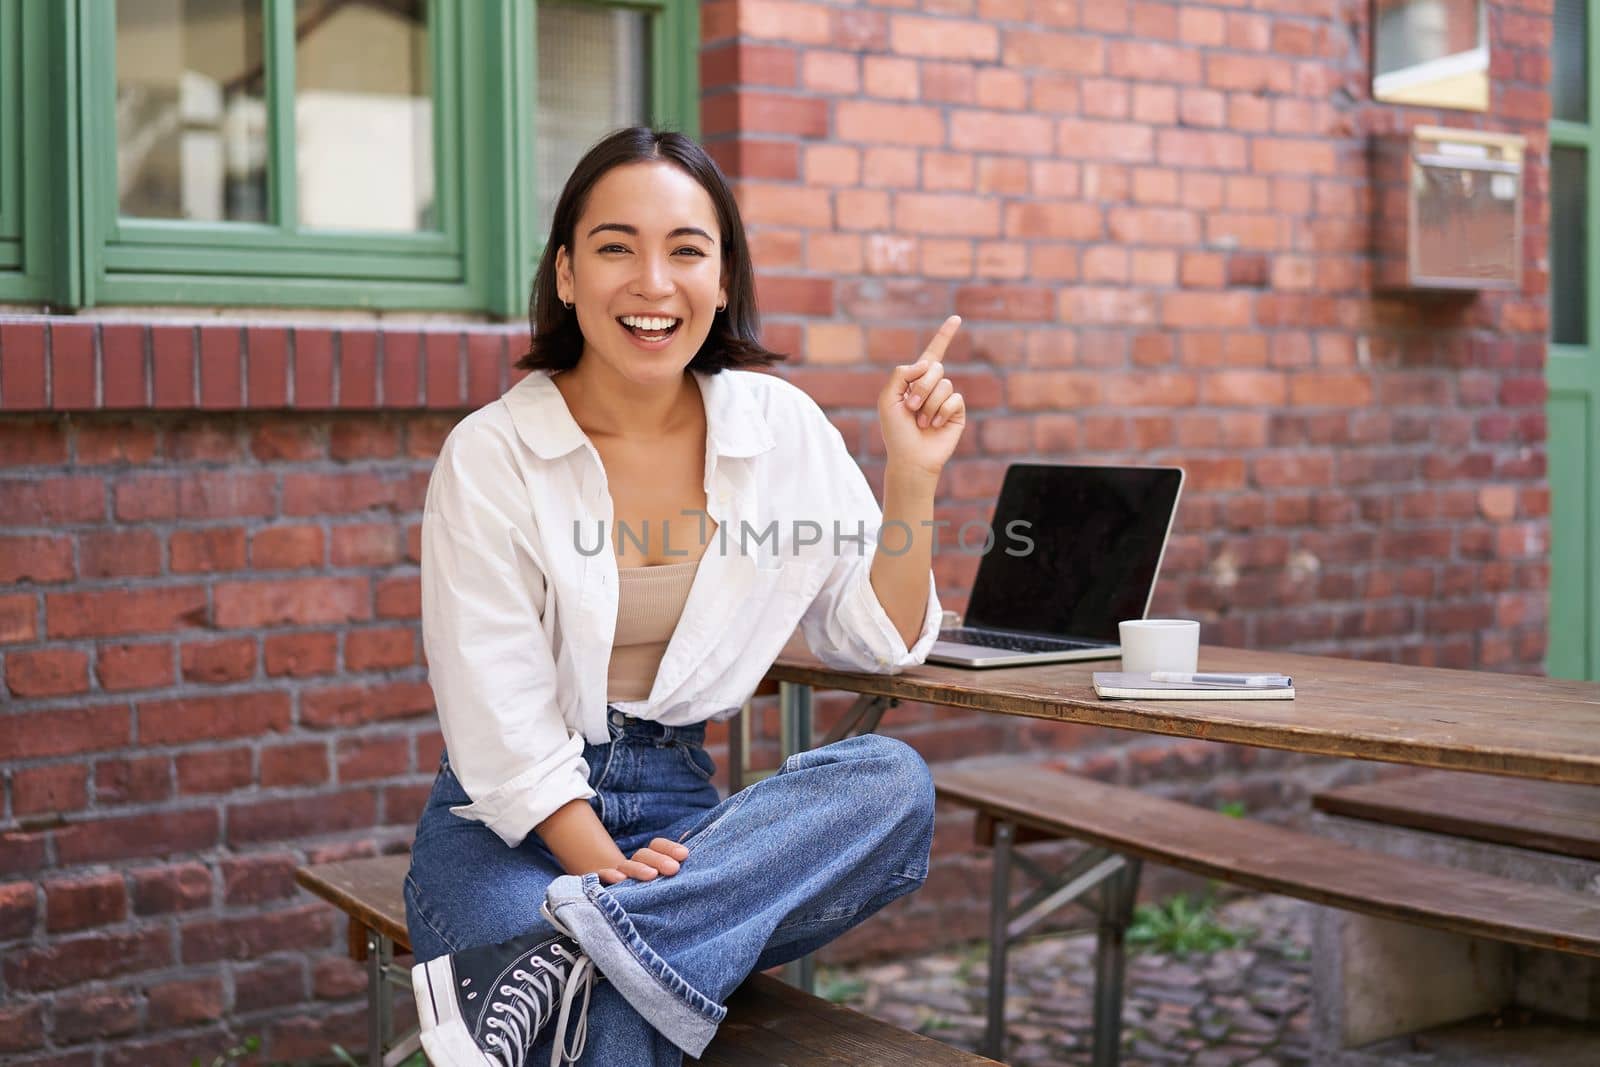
[{"x": 1160, "y": 645}]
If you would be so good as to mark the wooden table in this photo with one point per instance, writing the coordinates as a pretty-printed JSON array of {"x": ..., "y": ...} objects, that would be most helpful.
[{"x": 1516, "y": 725}]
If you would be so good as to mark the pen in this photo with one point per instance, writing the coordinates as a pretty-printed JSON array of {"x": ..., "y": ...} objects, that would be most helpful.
[{"x": 1222, "y": 679}]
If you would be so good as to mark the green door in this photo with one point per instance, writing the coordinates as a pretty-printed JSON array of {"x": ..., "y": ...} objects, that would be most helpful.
[{"x": 1573, "y": 367}]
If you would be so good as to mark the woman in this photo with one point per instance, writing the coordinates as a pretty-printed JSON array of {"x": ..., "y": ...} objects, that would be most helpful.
[{"x": 613, "y": 553}]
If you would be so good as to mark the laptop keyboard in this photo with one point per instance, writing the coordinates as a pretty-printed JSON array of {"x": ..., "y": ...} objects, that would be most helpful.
[{"x": 1013, "y": 642}]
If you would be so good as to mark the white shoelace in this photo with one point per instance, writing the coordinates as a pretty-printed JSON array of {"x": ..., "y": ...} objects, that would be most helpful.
[
  {"x": 524, "y": 1014},
  {"x": 583, "y": 974}
]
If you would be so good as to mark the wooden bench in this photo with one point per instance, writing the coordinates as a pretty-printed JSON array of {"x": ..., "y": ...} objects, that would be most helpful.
[
  {"x": 1554, "y": 817},
  {"x": 1124, "y": 826},
  {"x": 1375, "y": 981},
  {"x": 768, "y": 1021}
]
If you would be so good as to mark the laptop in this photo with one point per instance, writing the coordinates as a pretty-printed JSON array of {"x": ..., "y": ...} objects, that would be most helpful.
[{"x": 1075, "y": 551}]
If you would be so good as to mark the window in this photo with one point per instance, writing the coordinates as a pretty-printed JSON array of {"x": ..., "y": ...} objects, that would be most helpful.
[
  {"x": 363, "y": 153},
  {"x": 24, "y": 175}
]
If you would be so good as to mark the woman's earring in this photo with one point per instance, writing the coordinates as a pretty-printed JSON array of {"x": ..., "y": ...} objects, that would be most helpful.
[
  {"x": 722, "y": 306},
  {"x": 567, "y": 304}
]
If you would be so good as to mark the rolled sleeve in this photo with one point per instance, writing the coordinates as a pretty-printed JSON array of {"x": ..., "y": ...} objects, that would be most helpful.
[
  {"x": 863, "y": 637},
  {"x": 489, "y": 659}
]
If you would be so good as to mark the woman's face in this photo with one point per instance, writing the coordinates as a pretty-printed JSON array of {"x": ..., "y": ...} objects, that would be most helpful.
[{"x": 644, "y": 273}]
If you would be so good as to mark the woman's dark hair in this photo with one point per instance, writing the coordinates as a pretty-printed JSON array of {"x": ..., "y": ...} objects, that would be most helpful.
[{"x": 734, "y": 338}]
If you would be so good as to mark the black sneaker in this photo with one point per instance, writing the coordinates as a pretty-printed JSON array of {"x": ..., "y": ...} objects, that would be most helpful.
[{"x": 485, "y": 1006}]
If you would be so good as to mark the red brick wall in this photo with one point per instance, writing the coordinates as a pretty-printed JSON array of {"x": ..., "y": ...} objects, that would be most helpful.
[{"x": 1154, "y": 218}]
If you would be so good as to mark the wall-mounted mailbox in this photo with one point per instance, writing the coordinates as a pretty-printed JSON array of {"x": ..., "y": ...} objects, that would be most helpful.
[{"x": 1449, "y": 210}]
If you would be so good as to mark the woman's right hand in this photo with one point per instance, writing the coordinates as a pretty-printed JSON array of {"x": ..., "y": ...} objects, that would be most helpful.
[{"x": 662, "y": 858}]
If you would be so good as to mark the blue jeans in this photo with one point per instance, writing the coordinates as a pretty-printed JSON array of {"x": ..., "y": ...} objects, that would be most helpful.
[{"x": 774, "y": 872}]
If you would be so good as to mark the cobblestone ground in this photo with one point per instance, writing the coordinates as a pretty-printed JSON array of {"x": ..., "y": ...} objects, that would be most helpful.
[{"x": 1248, "y": 1005}]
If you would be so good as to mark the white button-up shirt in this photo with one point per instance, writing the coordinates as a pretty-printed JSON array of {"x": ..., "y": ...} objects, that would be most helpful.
[{"x": 519, "y": 583}]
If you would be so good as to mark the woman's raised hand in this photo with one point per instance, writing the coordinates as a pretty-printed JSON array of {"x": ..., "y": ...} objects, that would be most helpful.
[
  {"x": 661, "y": 858},
  {"x": 919, "y": 410}
]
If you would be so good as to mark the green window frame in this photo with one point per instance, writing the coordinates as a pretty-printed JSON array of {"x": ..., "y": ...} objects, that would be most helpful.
[
  {"x": 479, "y": 259},
  {"x": 27, "y": 137}
]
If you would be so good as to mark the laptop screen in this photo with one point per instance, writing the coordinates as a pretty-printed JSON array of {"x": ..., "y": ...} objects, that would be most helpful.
[{"x": 1098, "y": 535}]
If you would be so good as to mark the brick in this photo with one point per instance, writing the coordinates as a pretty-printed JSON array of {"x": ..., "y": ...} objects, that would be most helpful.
[
  {"x": 123, "y": 667},
  {"x": 137, "y": 780},
  {"x": 783, "y": 20},
  {"x": 125, "y": 371},
  {"x": 119, "y": 553},
  {"x": 287, "y": 548},
  {"x": 351, "y": 705},
  {"x": 944, "y": 38},
  {"x": 162, "y": 833},
  {"x": 66, "y": 962},
  {"x": 166, "y": 889},
  {"x": 295, "y": 818},
  {"x": 294, "y": 764},
  {"x": 402, "y": 369},
  {"x": 74, "y": 367},
  {"x": 313, "y": 369},
  {"x": 270, "y": 984},
  {"x": 873, "y": 123},
  {"x": 57, "y": 788},
  {"x": 337, "y": 494},
  {"x": 947, "y": 214},
  {"x": 185, "y": 1002},
  {"x": 736, "y": 64},
  {"x": 208, "y": 550},
  {"x": 47, "y": 673},
  {"x": 172, "y": 350},
  {"x": 33, "y": 444},
  {"x": 22, "y": 1027},
  {"x": 1331, "y": 390},
  {"x": 18, "y": 912},
  {"x": 366, "y": 758},
  {"x": 24, "y": 378},
  {"x": 986, "y": 131},
  {"x": 300, "y": 655},
  {"x": 291, "y": 602},
  {"x": 218, "y": 662},
  {"x": 64, "y": 731},
  {"x": 400, "y": 598},
  {"x": 117, "y": 611},
  {"x": 358, "y": 369},
  {"x": 385, "y": 649},
  {"x": 1127, "y": 142},
  {"x": 443, "y": 377},
  {"x": 214, "y": 771},
  {"x": 94, "y": 1014},
  {"x": 80, "y": 903},
  {"x": 51, "y": 501},
  {"x": 267, "y": 367},
  {"x": 1006, "y": 302},
  {"x": 212, "y": 718},
  {"x": 221, "y": 369}
]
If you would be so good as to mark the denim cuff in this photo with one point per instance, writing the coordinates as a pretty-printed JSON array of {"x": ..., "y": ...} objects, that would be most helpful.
[{"x": 683, "y": 1015}]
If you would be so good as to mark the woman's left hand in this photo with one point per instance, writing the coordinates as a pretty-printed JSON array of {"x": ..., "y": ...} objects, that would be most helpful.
[{"x": 919, "y": 410}]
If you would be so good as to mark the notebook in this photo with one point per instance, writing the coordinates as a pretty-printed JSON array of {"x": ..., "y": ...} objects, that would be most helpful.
[
  {"x": 1109, "y": 685},
  {"x": 1084, "y": 558}
]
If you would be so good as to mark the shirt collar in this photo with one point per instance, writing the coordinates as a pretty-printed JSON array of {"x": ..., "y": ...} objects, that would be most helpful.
[{"x": 734, "y": 426}]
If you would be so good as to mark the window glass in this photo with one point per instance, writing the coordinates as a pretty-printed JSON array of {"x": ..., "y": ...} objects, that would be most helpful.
[
  {"x": 1568, "y": 246},
  {"x": 363, "y": 113},
  {"x": 594, "y": 77},
  {"x": 191, "y": 113},
  {"x": 1569, "y": 80}
]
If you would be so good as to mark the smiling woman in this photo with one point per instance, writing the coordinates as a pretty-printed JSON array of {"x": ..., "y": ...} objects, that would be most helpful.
[{"x": 573, "y": 829}]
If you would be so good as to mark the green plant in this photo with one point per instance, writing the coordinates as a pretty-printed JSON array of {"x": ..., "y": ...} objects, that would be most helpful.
[
  {"x": 243, "y": 1048},
  {"x": 838, "y": 989},
  {"x": 1180, "y": 925},
  {"x": 1233, "y": 809}
]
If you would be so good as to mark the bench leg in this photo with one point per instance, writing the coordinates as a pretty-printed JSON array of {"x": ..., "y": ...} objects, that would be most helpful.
[
  {"x": 1116, "y": 911},
  {"x": 994, "y": 1035},
  {"x": 380, "y": 999}
]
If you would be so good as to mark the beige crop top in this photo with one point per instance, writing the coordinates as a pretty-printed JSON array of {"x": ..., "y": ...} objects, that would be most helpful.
[{"x": 650, "y": 601}]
